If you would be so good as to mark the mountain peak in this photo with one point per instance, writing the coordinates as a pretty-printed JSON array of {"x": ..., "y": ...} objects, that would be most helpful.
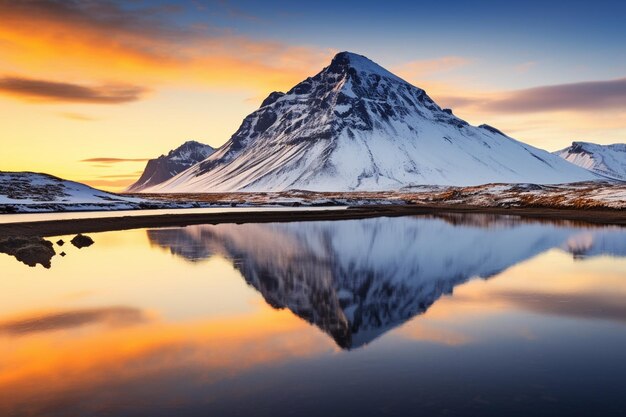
[
  {"x": 590, "y": 147},
  {"x": 356, "y": 126},
  {"x": 606, "y": 160},
  {"x": 189, "y": 146},
  {"x": 167, "y": 166},
  {"x": 344, "y": 61},
  {"x": 191, "y": 142},
  {"x": 582, "y": 143}
]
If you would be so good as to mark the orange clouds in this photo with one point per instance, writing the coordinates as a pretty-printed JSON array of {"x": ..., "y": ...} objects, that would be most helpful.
[
  {"x": 46, "y": 90},
  {"x": 59, "y": 40},
  {"x": 70, "y": 370},
  {"x": 114, "y": 160},
  {"x": 51, "y": 321}
]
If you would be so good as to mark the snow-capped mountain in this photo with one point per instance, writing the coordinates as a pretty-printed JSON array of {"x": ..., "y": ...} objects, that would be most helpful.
[
  {"x": 357, "y": 279},
  {"x": 166, "y": 166},
  {"x": 33, "y": 192},
  {"x": 356, "y": 126},
  {"x": 606, "y": 160}
]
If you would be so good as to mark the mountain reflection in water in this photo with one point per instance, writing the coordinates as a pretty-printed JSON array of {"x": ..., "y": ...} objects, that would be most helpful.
[{"x": 357, "y": 279}]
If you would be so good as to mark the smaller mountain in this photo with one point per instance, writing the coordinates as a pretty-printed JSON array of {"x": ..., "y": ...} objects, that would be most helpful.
[
  {"x": 167, "y": 166},
  {"x": 606, "y": 160},
  {"x": 34, "y": 192}
]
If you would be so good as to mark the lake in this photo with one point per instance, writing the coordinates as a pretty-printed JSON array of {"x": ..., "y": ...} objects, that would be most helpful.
[{"x": 452, "y": 315}]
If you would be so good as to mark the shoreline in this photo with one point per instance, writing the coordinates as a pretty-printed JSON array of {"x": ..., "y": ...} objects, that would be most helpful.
[{"x": 75, "y": 226}]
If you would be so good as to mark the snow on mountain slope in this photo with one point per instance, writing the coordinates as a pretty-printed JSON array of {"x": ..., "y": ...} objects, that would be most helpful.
[
  {"x": 356, "y": 126},
  {"x": 167, "y": 166},
  {"x": 32, "y": 192},
  {"x": 356, "y": 279},
  {"x": 606, "y": 160}
]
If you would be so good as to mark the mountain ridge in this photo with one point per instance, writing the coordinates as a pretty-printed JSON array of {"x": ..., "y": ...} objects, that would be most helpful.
[
  {"x": 164, "y": 167},
  {"x": 605, "y": 160}
]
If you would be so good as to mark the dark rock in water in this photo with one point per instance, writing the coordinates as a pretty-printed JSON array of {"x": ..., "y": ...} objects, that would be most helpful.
[
  {"x": 29, "y": 250},
  {"x": 62, "y": 253},
  {"x": 81, "y": 241},
  {"x": 60, "y": 242}
]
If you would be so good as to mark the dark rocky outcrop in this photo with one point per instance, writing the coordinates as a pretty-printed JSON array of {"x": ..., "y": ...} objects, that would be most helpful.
[
  {"x": 30, "y": 250},
  {"x": 81, "y": 241}
]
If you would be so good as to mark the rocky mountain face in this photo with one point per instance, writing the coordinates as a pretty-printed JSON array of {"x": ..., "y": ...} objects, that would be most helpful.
[
  {"x": 606, "y": 160},
  {"x": 167, "y": 166},
  {"x": 357, "y": 279},
  {"x": 356, "y": 126}
]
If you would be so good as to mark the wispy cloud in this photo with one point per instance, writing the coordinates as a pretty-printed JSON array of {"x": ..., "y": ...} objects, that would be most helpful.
[
  {"x": 131, "y": 175},
  {"x": 69, "y": 319},
  {"x": 582, "y": 96},
  {"x": 77, "y": 116},
  {"x": 232, "y": 10},
  {"x": 54, "y": 91},
  {"x": 143, "y": 45},
  {"x": 588, "y": 306},
  {"x": 113, "y": 160},
  {"x": 112, "y": 184},
  {"x": 103, "y": 14},
  {"x": 455, "y": 102},
  {"x": 591, "y": 95}
]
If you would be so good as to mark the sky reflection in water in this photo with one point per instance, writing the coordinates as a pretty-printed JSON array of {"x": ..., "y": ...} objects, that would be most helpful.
[{"x": 456, "y": 315}]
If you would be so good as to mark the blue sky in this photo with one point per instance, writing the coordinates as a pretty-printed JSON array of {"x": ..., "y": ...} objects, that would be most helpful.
[
  {"x": 137, "y": 78},
  {"x": 570, "y": 33}
]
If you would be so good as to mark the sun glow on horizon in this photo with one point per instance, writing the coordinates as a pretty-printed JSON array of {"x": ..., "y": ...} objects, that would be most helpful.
[{"x": 79, "y": 81}]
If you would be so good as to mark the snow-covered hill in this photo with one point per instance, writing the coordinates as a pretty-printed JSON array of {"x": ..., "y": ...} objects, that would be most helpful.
[
  {"x": 32, "y": 192},
  {"x": 606, "y": 160},
  {"x": 356, "y": 279},
  {"x": 356, "y": 126},
  {"x": 166, "y": 166}
]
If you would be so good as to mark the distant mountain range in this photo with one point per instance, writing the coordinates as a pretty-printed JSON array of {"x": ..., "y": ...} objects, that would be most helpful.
[
  {"x": 606, "y": 160},
  {"x": 167, "y": 166},
  {"x": 356, "y": 126}
]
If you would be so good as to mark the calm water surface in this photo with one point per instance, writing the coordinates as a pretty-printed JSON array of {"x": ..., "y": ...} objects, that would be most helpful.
[
  {"x": 453, "y": 316},
  {"x": 106, "y": 214}
]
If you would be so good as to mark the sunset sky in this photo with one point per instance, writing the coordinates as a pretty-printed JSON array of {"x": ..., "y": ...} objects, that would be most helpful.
[{"x": 91, "y": 89}]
